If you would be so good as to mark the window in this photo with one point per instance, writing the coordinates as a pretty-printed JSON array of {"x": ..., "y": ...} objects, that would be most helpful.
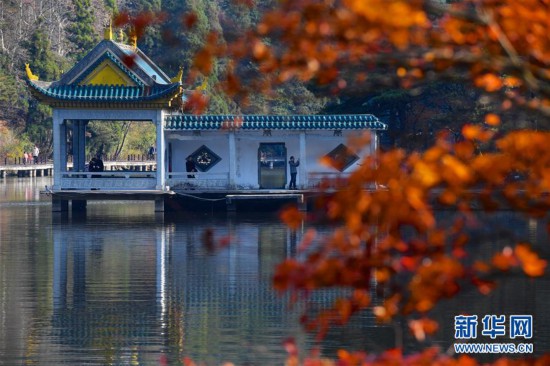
[
  {"x": 341, "y": 157},
  {"x": 205, "y": 158}
]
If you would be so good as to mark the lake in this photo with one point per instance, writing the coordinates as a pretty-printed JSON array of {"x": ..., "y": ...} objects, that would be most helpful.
[{"x": 123, "y": 286}]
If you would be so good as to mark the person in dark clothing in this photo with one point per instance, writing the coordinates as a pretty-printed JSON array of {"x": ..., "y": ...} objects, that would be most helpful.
[
  {"x": 190, "y": 167},
  {"x": 96, "y": 165},
  {"x": 151, "y": 153},
  {"x": 293, "y": 171}
]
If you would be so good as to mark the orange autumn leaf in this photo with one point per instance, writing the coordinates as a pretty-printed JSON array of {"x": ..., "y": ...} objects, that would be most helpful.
[
  {"x": 422, "y": 327},
  {"x": 465, "y": 360},
  {"x": 129, "y": 60},
  {"x": 344, "y": 309},
  {"x": 484, "y": 286},
  {"x": 290, "y": 346},
  {"x": 481, "y": 267},
  {"x": 473, "y": 132},
  {"x": 388, "y": 310},
  {"x": 489, "y": 82},
  {"x": 331, "y": 162},
  {"x": 504, "y": 260},
  {"x": 189, "y": 20},
  {"x": 361, "y": 298},
  {"x": 426, "y": 174},
  {"x": 121, "y": 19},
  {"x": 204, "y": 61},
  {"x": 382, "y": 274},
  {"x": 410, "y": 263},
  {"x": 188, "y": 361},
  {"x": 512, "y": 82},
  {"x": 492, "y": 119},
  {"x": 196, "y": 103},
  {"x": 292, "y": 217},
  {"x": 456, "y": 171},
  {"x": 531, "y": 264}
]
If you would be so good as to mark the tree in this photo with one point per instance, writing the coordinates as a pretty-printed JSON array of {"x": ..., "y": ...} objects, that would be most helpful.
[
  {"x": 173, "y": 32},
  {"x": 42, "y": 60},
  {"x": 414, "y": 118},
  {"x": 391, "y": 236},
  {"x": 13, "y": 100},
  {"x": 81, "y": 32},
  {"x": 47, "y": 66}
]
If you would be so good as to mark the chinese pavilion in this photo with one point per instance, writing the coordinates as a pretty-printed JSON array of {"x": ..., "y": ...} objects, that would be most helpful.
[{"x": 250, "y": 153}]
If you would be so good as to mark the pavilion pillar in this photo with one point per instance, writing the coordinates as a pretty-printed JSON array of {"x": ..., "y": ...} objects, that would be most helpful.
[
  {"x": 232, "y": 159},
  {"x": 373, "y": 142},
  {"x": 373, "y": 147},
  {"x": 59, "y": 148},
  {"x": 302, "y": 168},
  {"x": 161, "y": 151},
  {"x": 79, "y": 145}
]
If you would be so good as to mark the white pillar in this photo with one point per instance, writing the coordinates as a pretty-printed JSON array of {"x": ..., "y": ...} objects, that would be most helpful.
[
  {"x": 59, "y": 149},
  {"x": 161, "y": 153},
  {"x": 232, "y": 159},
  {"x": 373, "y": 142},
  {"x": 372, "y": 152},
  {"x": 302, "y": 168}
]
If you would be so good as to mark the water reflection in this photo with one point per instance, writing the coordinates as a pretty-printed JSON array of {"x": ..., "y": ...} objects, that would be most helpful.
[
  {"x": 14, "y": 189},
  {"x": 121, "y": 286}
]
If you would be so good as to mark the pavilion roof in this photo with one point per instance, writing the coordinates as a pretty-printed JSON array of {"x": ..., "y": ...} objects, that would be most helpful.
[
  {"x": 104, "y": 93},
  {"x": 110, "y": 72},
  {"x": 261, "y": 122}
]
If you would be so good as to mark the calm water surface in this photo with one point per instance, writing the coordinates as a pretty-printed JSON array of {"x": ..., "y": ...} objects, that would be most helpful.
[{"x": 122, "y": 286}]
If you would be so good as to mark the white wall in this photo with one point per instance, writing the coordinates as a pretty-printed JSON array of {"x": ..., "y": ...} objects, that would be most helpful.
[
  {"x": 318, "y": 144},
  {"x": 184, "y": 144}
]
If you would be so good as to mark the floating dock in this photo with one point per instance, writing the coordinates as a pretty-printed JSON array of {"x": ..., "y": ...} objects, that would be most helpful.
[
  {"x": 187, "y": 200},
  {"x": 236, "y": 200}
]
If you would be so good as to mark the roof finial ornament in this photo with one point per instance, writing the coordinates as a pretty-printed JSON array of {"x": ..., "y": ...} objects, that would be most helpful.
[
  {"x": 30, "y": 75},
  {"x": 108, "y": 33},
  {"x": 178, "y": 77},
  {"x": 121, "y": 35},
  {"x": 133, "y": 39}
]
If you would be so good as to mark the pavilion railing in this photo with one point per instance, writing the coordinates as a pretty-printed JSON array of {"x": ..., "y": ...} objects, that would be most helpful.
[
  {"x": 109, "y": 180},
  {"x": 202, "y": 180},
  {"x": 181, "y": 180}
]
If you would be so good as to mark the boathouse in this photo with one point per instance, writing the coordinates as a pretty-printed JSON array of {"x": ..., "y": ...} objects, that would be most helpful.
[{"x": 237, "y": 156}]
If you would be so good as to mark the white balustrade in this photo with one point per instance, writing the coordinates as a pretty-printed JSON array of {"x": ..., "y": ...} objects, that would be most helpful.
[
  {"x": 181, "y": 180},
  {"x": 109, "y": 180}
]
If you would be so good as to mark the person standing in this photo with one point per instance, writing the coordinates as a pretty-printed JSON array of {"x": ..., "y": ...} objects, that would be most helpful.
[
  {"x": 151, "y": 152},
  {"x": 25, "y": 158},
  {"x": 96, "y": 165},
  {"x": 293, "y": 171},
  {"x": 35, "y": 153},
  {"x": 190, "y": 167}
]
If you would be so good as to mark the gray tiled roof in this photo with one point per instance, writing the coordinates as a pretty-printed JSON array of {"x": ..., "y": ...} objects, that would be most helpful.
[
  {"x": 104, "y": 93},
  {"x": 260, "y": 122}
]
